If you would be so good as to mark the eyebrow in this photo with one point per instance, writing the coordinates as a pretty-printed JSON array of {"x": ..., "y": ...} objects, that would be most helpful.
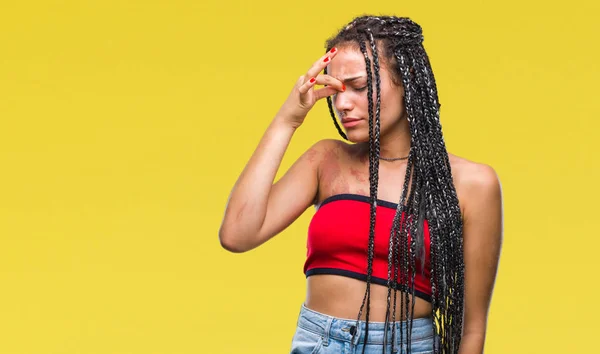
[{"x": 353, "y": 78}]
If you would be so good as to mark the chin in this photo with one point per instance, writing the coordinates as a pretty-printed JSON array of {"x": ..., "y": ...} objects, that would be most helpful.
[{"x": 357, "y": 136}]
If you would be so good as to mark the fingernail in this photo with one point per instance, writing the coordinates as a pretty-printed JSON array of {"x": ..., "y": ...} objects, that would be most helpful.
[
  {"x": 312, "y": 80},
  {"x": 333, "y": 50},
  {"x": 326, "y": 60},
  {"x": 343, "y": 87}
]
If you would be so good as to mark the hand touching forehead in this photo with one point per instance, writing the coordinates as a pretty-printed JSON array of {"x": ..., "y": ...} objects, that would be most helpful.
[{"x": 348, "y": 66}]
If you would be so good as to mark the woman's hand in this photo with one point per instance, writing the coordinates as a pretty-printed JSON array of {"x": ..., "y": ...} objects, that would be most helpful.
[{"x": 303, "y": 96}]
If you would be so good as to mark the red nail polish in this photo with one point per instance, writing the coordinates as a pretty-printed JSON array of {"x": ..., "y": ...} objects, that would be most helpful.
[
  {"x": 312, "y": 80},
  {"x": 326, "y": 60},
  {"x": 343, "y": 87},
  {"x": 333, "y": 50}
]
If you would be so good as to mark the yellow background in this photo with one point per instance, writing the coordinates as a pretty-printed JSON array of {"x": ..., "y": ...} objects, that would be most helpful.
[{"x": 124, "y": 124}]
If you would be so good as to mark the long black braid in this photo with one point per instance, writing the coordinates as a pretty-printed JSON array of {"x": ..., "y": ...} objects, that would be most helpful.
[{"x": 432, "y": 201}]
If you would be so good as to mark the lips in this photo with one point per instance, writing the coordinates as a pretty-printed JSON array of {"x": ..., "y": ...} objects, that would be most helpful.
[{"x": 350, "y": 122}]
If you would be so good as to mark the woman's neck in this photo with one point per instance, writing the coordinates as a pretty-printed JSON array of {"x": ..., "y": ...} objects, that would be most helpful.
[{"x": 396, "y": 142}]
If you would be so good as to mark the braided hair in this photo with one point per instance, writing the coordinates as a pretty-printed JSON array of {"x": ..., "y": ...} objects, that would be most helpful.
[{"x": 432, "y": 201}]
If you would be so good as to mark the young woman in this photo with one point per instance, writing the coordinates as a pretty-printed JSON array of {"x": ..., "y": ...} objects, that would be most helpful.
[{"x": 404, "y": 245}]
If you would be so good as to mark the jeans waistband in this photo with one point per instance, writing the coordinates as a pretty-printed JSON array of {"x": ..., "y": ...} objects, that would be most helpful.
[{"x": 351, "y": 330}]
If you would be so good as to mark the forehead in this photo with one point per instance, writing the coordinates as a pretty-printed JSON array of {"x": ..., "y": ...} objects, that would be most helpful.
[{"x": 348, "y": 62}]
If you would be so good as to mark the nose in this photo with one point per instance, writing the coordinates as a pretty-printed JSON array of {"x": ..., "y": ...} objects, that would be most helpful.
[{"x": 343, "y": 102}]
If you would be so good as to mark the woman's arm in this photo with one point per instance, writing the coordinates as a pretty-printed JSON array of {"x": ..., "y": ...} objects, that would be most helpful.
[
  {"x": 257, "y": 210},
  {"x": 482, "y": 244},
  {"x": 247, "y": 205}
]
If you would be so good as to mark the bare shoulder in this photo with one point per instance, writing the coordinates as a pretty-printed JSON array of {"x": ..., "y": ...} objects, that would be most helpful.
[
  {"x": 326, "y": 144},
  {"x": 324, "y": 152},
  {"x": 476, "y": 183},
  {"x": 333, "y": 158},
  {"x": 327, "y": 149},
  {"x": 470, "y": 174},
  {"x": 322, "y": 149}
]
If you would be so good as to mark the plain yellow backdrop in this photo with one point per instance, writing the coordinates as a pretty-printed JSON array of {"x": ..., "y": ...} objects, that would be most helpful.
[{"x": 124, "y": 124}]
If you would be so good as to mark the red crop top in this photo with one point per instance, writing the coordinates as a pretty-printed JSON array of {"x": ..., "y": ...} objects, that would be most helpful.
[{"x": 338, "y": 237}]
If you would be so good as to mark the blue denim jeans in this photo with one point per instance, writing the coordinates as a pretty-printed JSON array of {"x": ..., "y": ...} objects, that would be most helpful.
[{"x": 317, "y": 333}]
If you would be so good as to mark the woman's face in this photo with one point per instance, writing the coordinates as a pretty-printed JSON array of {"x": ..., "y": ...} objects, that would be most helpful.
[{"x": 352, "y": 105}]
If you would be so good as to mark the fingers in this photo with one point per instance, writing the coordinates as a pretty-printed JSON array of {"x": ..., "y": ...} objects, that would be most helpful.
[
  {"x": 324, "y": 92},
  {"x": 320, "y": 64},
  {"x": 327, "y": 80},
  {"x": 307, "y": 85},
  {"x": 324, "y": 80},
  {"x": 316, "y": 78}
]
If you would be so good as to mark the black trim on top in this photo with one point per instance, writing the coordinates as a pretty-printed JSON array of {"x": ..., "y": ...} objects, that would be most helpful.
[
  {"x": 360, "y": 198},
  {"x": 363, "y": 277}
]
